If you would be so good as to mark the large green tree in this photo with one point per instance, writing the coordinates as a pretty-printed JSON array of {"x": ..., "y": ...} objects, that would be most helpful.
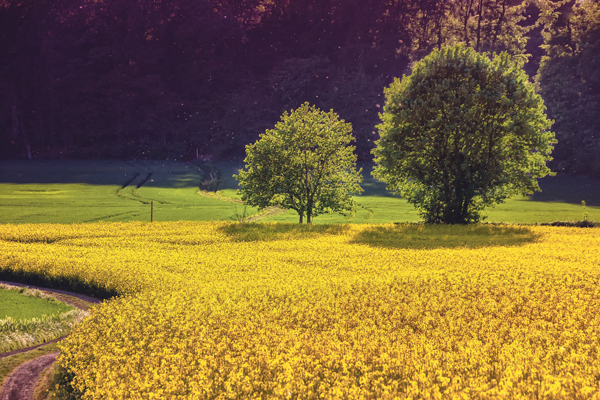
[
  {"x": 304, "y": 164},
  {"x": 462, "y": 132}
]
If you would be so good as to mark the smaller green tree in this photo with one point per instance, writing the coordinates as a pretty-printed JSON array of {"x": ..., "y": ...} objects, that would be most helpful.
[
  {"x": 304, "y": 164},
  {"x": 464, "y": 131}
]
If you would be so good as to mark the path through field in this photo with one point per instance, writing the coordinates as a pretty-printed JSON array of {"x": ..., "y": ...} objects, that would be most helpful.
[{"x": 20, "y": 384}]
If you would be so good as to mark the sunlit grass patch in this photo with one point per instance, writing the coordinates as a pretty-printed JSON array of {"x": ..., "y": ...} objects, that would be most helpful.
[{"x": 22, "y": 303}]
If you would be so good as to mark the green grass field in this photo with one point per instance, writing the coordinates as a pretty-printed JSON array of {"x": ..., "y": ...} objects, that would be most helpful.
[
  {"x": 16, "y": 305},
  {"x": 90, "y": 191}
]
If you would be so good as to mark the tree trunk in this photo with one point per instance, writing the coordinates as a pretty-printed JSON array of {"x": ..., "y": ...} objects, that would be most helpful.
[
  {"x": 499, "y": 24},
  {"x": 464, "y": 211},
  {"x": 301, "y": 218},
  {"x": 15, "y": 122},
  {"x": 480, "y": 16},
  {"x": 25, "y": 139},
  {"x": 466, "y": 23},
  {"x": 52, "y": 134}
]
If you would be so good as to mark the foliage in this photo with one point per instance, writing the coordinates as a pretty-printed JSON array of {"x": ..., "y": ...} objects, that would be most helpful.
[
  {"x": 304, "y": 164},
  {"x": 177, "y": 79},
  {"x": 485, "y": 25},
  {"x": 231, "y": 310},
  {"x": 461, "y": 133},
  {"x": 569, "y": 81}
]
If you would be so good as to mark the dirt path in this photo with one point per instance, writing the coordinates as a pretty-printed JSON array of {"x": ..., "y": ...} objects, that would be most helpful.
[
  {"x": 20, "y": 384},
  {"x": 83, "y": 297},
  {"x": 26, "y": 349}
]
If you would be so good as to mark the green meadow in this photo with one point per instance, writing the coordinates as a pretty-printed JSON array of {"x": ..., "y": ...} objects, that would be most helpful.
[
  {"x": 14, "y": 304},
  {"x": 91, "y": 191}
]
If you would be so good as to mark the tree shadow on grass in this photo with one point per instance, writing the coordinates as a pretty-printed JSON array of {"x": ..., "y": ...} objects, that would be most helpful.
[
  {"x": 136, "y": 173},
  {"x": 420, "y": 236},
  {"x": 257, "y": 231}
]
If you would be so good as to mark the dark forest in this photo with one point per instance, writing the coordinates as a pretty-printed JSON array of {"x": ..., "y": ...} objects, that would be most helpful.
[{"x": 178, "y": 79}]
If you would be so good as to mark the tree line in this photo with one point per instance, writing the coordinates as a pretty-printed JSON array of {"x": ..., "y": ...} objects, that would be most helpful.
[{"x": 180, "y": 79}]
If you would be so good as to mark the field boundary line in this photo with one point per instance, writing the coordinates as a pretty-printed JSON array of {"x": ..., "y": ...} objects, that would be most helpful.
[
  {"x": 83, "y": 297},
  {"x": 265, "y": 213},
  {"x": 213, "y": 195},
  {"x": 28, "y": 349}
]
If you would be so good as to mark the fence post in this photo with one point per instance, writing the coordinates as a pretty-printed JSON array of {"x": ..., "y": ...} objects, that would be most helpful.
[{"x": 151, "y": 211}]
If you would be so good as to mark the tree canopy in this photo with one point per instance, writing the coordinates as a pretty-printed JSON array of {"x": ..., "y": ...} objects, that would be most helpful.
[
  {"x": 180, "y": 79},
  {"x": 463, "y": 131},
  {"x": 304, "y": 164}
]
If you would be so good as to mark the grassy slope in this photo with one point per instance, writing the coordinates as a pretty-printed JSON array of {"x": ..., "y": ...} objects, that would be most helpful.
[
  {"x": 19, "y": 306},
  {"x": 89, "y": 191}
]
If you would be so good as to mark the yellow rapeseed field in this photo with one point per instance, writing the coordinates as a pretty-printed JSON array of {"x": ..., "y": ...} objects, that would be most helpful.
[{"x": 229, "y": 311}]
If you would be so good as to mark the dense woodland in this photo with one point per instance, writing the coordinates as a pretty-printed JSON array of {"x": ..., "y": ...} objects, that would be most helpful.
[{"x": 202, "y": 79}]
